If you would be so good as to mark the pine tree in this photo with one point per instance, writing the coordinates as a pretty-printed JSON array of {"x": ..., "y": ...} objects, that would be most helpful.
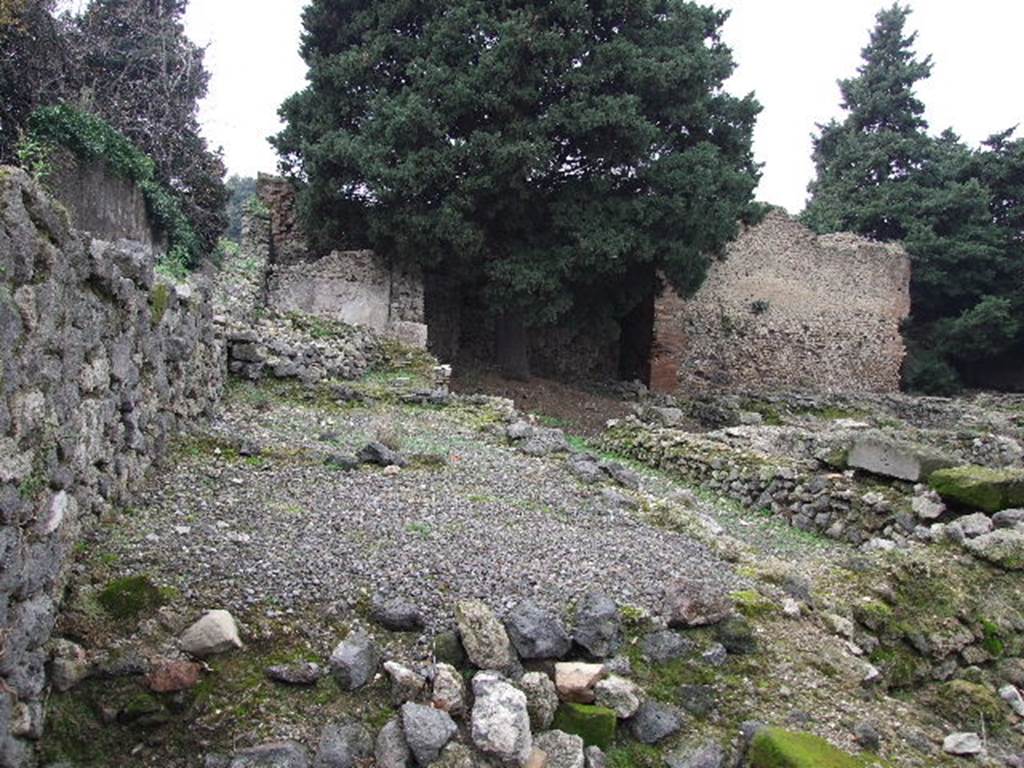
[
  {"x": 866, "y": 164},
  {"x": 958, "y": 211},
  {"x": 542, "y": 151}
]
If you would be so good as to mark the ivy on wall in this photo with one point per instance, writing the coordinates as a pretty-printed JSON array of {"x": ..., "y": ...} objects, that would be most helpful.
[{"x": 88, "y": 137}]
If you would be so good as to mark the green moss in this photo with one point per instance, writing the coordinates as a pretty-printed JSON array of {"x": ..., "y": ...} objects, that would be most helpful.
[
  {"x": 967, "y": 705},
  {"x": 992, "y": 638},
  {"x": 901, "y": 667},
  {"x": 984, "y": 488},
  {"x": 875, "y": 615},
  {"x": 776, "y": 748},
  {"x": 159, "y": 300},
  {"x": 768, "y": 412},
  {"x": 131, "y": 596},
  {"x": 752, "y": 603},
  {"x": 595, "y": 725},
  {"x": 634, "y": 755}
]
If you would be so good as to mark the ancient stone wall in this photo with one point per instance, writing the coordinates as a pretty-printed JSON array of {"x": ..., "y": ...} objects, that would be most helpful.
[
  {"x": 788, "y": 310},
  {"x": 354, "y": 287},
  {"x": 101, "y": 362},
  {"x": 100, "y": 204}
]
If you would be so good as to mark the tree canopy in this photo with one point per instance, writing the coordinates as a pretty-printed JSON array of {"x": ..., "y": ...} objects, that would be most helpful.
[
  {"x": 956, "y": 209},
  {"x": 538, "y": 150}
]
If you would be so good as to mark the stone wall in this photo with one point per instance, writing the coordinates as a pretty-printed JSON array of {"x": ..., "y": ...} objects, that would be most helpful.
[
  {"x": 788, "y": 310},
  {"x": 100, "y": 204},
  {"x": 101, "y": 362},
  {"x": 355, "y": 287}
]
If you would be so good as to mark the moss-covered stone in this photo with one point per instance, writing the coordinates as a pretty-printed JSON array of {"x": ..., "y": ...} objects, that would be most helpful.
[
  {"x": 984, "y": 488},
  {"x": 129, "y": 597},
  {"x": 966, "y": 704},
  {"x": 595, "y": 725},
  {"x": 752, "y": 603},
  {"x": 159, "y": 300},
  {"x": 777, "y": 748}
]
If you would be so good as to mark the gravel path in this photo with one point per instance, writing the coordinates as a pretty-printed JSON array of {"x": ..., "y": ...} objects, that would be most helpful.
[{"x": 283, "y": 532}]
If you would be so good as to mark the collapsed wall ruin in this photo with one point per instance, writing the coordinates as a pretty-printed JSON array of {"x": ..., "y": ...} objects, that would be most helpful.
[
  {"x": 355, "y": 287},
  {"x": 102, "y": 360},
  {"x": 788, "y": 310}
]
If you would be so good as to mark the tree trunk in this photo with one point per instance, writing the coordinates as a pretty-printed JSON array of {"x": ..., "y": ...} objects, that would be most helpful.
[{"x": 510, "y": 346}]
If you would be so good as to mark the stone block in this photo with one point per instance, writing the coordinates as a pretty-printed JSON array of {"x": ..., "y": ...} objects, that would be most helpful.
[{"x": 884, "y": 456}]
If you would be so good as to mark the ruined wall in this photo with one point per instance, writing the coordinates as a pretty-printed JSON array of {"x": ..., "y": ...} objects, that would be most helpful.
[
  {"x": 100, "y": 204},
  {"x": 788, "y": 310},
  {"x": 354, "y": 287},
  {"x": 101, "y": 362}
]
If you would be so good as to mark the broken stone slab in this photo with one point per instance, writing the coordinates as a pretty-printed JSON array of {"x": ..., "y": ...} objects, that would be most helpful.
[
  {"x": 882, "y": 455},
  {"x": 982, "y": 488},
  {"x": 575, "y": 681},
  {"x": 215, "y": 633}
]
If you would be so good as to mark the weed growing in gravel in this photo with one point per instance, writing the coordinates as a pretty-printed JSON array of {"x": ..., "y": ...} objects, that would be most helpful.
[
  {"x": 418, "y": 529},
  {"x": 131, "y": 596}
]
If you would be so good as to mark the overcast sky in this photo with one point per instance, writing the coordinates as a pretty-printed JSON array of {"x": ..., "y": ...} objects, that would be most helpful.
[{"x": 789, "y": 52}]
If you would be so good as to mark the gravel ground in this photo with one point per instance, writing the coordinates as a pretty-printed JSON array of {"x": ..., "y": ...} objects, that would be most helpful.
[{"x": 284, "y": 532}]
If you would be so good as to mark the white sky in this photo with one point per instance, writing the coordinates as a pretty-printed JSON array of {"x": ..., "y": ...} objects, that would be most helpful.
[{"x": 789, "y": 52}]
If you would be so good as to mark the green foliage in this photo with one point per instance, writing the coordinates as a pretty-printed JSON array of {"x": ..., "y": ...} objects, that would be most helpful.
[
  {"x": 90, "y": 138},
  {"x": 550, "y": 155},
  {"x": 129, "y": 597},
  {"x": 595, "y": 725},
  {"x": 958, "y": 211},
  {"x": 35, "y": 156},
  {"x": 243, "y": 192},
  {"x": 635, "y": 755},
  {"x": 160, "y": 298}
]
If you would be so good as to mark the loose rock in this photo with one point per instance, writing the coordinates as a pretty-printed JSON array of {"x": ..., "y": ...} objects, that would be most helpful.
[
  {"x": 214, "y": 633},
  {"x": 690, "y": 603},
  {"x": 563, "y": 750},
  {"x": 654, "y": 722},
  {"x": 501, "y": 721},
  {"x": 343, "y": 746},
  {"x": 618, "y": 694},
  {"x": 354, "y": 661},
  {"x": 391, "y": 750},
  {"x": 576, "y": 681},
  {"x": 541, "y": 699},
  {"x": 598, "y": 626},
  {"x": 536, "y": 633},
  {"x": 426, "y": 731},
  {"x": 483, "y": 636}
]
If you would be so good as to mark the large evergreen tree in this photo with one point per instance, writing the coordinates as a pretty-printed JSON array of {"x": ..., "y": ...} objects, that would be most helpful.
[
  {"x": 541, "y": 150},
  {"x": 880, "y": 174}
]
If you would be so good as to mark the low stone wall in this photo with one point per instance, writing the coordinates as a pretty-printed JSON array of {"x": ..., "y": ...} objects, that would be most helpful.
[
  {"x": 101, "y": 362},
  {"x": 788, "y": 310}
]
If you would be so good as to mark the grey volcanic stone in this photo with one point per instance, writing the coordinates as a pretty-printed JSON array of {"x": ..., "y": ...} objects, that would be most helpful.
[
  {"x": 501, "y": 721},
  {"x": 380, "y": 455},
  {"x": 396, "y": 615},
  {"x": 391, "y": 750},
  {"x": 707, "y": 756},
  {"x": 624, "y": 476},
  {"x": 483, "y": 636},
  {"x": 692, "y": 603},
  {"x": 354, "y": 661},
  {"x": 285, "y": 754},
  {"x": 598, "y": 626},
  {"x": 562, "y": 749},
  {"x": 595, "y": 757},
  {"x": 1008, "y": 518},
  {"x": 536, "y": 633},
  {"x": 1003, "y": 547},
  {"x": 654, "y": 722},
  {"x": 306, "y": 673},
  {"x": 426, "y": 730},
  {"x": 585, "y": 467},
  {"x": 343, "y": 746},
  {"x": 666, "y": 645}
]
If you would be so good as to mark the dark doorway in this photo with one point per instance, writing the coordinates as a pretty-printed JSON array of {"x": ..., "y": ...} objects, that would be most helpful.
[{"x": 635, "y": 341}]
